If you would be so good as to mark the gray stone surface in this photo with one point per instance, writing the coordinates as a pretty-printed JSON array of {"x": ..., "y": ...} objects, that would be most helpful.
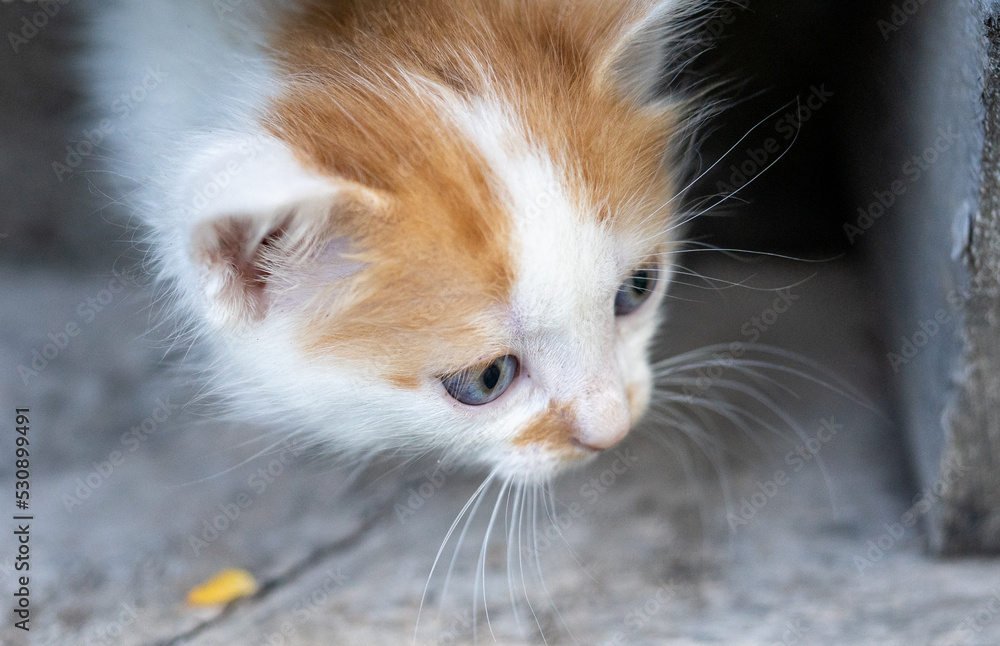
[
  {"x": 651, "y": 556},
  {"x": 935, "y": 249},
  {"x": 973, "y": 520}
]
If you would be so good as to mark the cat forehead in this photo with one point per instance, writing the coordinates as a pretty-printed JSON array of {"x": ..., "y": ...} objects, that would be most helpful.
[
  {"x": 502, "y": 240},
  {"x": 393, "y": 97},
  {"x": 502, "y": 199},
  {"x": 567, "y": 250}
]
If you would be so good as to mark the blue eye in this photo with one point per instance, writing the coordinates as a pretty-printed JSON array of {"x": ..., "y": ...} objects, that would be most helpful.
[
  {"x": 483, "y": 383},
  {"x": 636, "y": 290}
]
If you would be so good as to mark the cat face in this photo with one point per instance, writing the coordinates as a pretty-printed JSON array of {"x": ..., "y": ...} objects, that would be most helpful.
[{"x": 461, "y": 247}]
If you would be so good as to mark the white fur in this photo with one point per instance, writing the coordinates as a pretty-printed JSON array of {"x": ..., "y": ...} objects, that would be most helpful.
[
  {"x": 572, "y": 348},
  {"x": 203, "y": 119},
  {"x": 258, "y": 180}
]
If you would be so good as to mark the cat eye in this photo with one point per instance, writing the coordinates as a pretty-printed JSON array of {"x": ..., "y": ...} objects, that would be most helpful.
[
  {"x": 482, "y": 383},
  {"x": 636, "y": 290}
]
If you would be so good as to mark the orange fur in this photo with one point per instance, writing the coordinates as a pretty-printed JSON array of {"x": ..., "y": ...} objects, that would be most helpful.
[
  {"x": 437, "y": 252},
  {"x": 552, "y": 429}
]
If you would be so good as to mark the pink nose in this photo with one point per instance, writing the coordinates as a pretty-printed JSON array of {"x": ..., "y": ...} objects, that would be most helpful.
[{"x": 601, "y": 427}]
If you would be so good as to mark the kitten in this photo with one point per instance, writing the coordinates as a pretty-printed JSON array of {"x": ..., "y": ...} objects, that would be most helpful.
[{"x": 412, "y": 224}]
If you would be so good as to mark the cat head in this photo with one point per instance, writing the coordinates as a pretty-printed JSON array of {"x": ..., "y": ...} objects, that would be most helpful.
[{"x": 449, "y": 229}]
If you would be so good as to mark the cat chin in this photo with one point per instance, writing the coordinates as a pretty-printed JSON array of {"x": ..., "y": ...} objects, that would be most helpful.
[{"x": 537, "y": 465}]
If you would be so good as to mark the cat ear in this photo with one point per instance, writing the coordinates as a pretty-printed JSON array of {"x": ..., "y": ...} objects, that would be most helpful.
[
  {"x": 635, "y": 62},
  {"x": 255, "y": 215}
]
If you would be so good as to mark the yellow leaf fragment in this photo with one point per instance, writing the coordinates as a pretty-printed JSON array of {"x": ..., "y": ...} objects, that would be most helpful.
[{"x": 224, "y": 587}]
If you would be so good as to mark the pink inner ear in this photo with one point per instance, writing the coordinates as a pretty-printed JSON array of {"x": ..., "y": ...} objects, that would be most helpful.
[
  {"x": 237, "y": 265},
  {"x": 246, "y": 271}
]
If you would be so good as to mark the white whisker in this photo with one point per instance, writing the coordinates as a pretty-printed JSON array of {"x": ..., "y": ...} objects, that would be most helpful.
[
  {"x": 473, "y": 501},
  {"x": 481, "y": 567}
]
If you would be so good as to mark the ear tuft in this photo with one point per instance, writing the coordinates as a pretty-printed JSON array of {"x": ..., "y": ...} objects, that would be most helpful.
[
  {"x": 231, "y": 254},
  {"x": 635, "y": 63},
  {"x": 256, "y": 216}
]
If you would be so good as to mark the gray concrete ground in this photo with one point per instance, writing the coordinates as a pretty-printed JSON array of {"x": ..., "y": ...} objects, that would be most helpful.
[{"x": 741, "y": 540}]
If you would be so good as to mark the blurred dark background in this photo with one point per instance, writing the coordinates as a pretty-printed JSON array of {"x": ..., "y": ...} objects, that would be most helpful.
[
  {"x": 47, "y": 220},
  {"x": 816, "y": 66}
]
